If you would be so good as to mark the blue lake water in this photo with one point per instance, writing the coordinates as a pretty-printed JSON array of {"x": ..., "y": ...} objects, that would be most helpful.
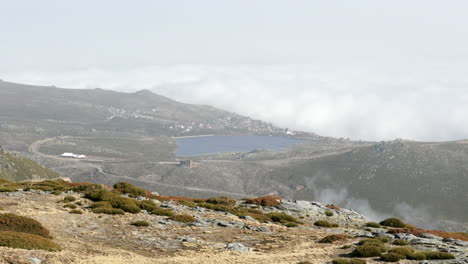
[{"x": 192, "y": 146}]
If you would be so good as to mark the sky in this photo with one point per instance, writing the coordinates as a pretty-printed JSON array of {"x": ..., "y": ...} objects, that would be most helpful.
[{"x": 363, "y": 69}]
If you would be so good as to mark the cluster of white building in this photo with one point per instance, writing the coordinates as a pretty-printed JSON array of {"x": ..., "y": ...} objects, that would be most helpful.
[{"x": 72, "y": 155}]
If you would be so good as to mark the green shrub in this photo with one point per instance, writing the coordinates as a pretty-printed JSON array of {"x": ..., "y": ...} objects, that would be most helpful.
[
  {"x": 110, "y": 211},
  {"x": 85, "y": 187},
  {"x": 291, "y": 224},
  {"x": 76, "y": 211},
  {"x": 140, "y": 223},
  {"x": 101, "y": 204},
  {"x": 147, "y": 205},
  {"x": 400, "y": 242},
  {"x": 70, "y": 205},
  {"x": 392, "y": 257},
  {"x": 26, "y": 241},
  {"x": 127, "y": 204},
  {"x": 69, "y": 199},
  {"x": 282, "y": 217},
  {"x": 333, "y": 238},
  {"x": 329, "y": 213},
  {"x": 162, "y": 211},
  {"x": 17, "y": 223},
  {"x": 373, "y": 224},
  {"x": 223, "y": 200},
  {"x": 183, "y": 218},
  {"x": 323, "y": 223},
  {"x": 98, "y": 195},
  {"x": 417, "y": 256},
  {"x": 438, "y": 255},
  {"x": 7, "y": 189},
  {"x": 393, "y": 222},
  {"x": 130, "y": 189},
  {"x": 188, "y": 203},
  {"x": 404, "y": 251},
  {"x": 367, "y": 251},
  {"x": 383, "y": 239},
  {"x": 348, "y": 261},
  {"x": 346, "y": 246}
]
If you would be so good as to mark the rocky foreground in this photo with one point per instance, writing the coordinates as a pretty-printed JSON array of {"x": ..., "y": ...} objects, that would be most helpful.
[{"x": 210, "y": 237}]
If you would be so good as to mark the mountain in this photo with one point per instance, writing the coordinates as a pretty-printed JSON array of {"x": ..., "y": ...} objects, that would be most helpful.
[
  {"x": 130, "y": 136},
  {"x": 15, "y": 168}
]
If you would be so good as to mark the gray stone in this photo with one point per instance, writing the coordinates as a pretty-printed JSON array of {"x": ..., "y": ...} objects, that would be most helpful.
[
  {"x": 35, "y": 260},
  {"x": 187, "y": 239},
  {"x": 406, "y": 237},
  {"x": 365, "y": 234},
  {"x": 262, "y": 229},
  {"x": 238, "y": 247},
  {"x": 425, "y": 241},
  {"x": 198, "y": 222},
  {"x": 222, "y": 223},
  {"x": 431, "y": 236}
]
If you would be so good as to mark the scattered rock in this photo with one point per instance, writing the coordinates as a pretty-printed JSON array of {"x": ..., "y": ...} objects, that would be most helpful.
[{"x": 238, "y": 247}]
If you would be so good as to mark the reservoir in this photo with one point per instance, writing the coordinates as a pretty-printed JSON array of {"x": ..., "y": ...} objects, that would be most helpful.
[{"x": 191, "y": 146}]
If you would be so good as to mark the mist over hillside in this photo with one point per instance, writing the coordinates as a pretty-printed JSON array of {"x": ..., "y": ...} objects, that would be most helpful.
[{"x": 129, "y": 136}]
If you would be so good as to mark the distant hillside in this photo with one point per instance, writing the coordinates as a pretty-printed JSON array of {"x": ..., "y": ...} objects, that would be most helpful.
[
  {"x": 15, "y": 168},
  {"x": 79, "y": 112},
  {"x": 421, "y": 182}
]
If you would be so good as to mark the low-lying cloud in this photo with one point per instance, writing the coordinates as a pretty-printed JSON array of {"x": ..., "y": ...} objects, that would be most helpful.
[{"x": 349, "y": 102}]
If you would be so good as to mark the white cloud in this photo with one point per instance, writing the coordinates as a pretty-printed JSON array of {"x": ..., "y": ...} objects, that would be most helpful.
[{"x": 347, "y": 101}]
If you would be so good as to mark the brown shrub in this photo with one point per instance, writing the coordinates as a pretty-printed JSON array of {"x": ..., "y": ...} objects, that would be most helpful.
[
  {"x": 270, "y": 200},
  {"x": 17, "y": 223},
  {"x": 332, "y": 206},
  {"x": 183, "y": 218},
  {"x": 26, "y": 241}
]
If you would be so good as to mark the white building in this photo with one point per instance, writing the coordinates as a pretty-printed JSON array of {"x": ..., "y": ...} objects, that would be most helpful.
[{"x": 72, "y": 155}]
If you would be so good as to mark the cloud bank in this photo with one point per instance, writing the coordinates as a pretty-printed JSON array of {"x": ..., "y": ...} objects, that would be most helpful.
[{"x": 346, "y": 101}]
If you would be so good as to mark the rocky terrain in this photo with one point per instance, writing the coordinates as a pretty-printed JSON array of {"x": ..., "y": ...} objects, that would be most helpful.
[{"x": 209, "y": 237}]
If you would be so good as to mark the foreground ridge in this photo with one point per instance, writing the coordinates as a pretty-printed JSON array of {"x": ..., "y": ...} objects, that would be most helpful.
[{"x": 92, "y": 223}]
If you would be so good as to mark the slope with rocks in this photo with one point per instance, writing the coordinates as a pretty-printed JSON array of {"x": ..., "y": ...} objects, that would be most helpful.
[
  {"x": 220, "y": 235},
  {"x": 15, "y": 168}
]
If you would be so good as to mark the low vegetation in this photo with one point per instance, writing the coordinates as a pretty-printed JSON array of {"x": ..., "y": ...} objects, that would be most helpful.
[
  {"x": 391, "y": 257},
  {"x": 223, "y": 200},
  {"x": 323, "y": 223},
  {"x": 70, "y": 205},
  {"x": 183, "y": 218},
  {"x": 373, "y": 224},
  {"x": 329, "y": 213},
  {"x": 76, "y": 211},
  {"x": 334, "y": 238},
  {"x": 400, "y": 242},
  {"x": 110, "y": 211},
  {"x": 162, "y": 211},
  {"x": 127, "y": 188},
  {"x": 270, "y": 200},
  {"x": 348, "y": 261},
  {"x": 140, "y": 223},
  {"x": 69, "y": 199},
  {"x": 393, "y": 222},
  {"x": 17, "y": 223},
  {"x": 14, "y": 239}
]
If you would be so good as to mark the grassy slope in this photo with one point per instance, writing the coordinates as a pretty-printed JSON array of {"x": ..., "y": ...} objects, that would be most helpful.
[{"x": 18, "y": 169}]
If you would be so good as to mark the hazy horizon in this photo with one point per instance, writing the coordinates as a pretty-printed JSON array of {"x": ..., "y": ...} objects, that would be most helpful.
[{"x": 362, "y": 70}]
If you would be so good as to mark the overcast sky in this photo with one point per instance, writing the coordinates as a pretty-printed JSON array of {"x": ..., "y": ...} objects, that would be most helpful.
[{"x": 360, "y": 69}]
